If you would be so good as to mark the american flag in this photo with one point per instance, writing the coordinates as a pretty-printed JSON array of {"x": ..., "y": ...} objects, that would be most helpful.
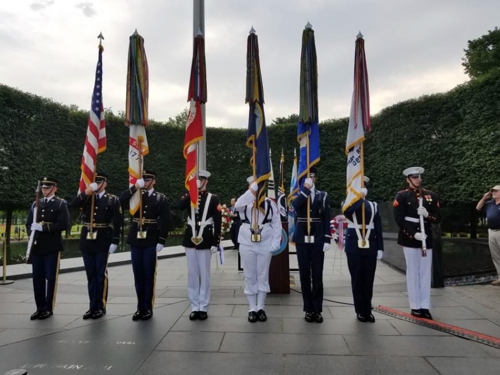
[{"x": 95, "y": 141}]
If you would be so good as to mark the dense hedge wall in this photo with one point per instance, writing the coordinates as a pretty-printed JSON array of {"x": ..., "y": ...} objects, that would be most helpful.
[{"x": 452, "y": 135}]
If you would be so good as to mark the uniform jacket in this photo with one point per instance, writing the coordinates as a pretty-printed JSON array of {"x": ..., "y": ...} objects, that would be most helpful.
[
  {"x": 375, "y": 239},
  {"x": 320, "y": 210},
  {"x": 269, "y": 219},
  {"x": 54, "y": 217},
  {"x": 405, "y": 213},
  {"x": 211, "y": 233},
  {"x": 154, "y": 207},
  {"x": 107, "y": 210}
]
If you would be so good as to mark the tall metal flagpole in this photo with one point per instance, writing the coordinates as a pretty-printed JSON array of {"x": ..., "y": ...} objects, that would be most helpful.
[{"x": 199, "y": 26}]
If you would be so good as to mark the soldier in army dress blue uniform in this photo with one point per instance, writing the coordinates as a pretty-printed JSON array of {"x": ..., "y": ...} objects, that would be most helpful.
[
  {"x": 146, "y": 237},
  {"x": 52, "y": 219},
  {"x": 99, "y": 238},
  {"x": 311, "y": 246}
]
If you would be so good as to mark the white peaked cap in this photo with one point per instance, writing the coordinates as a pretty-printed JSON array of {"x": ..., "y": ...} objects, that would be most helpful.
[
  {"x": 203, "y": 173},
  {"x": 413, "y": 170}
]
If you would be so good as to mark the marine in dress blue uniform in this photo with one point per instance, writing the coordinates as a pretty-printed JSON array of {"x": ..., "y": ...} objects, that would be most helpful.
[
  {"x": 155, "y": 221},
  {"x": 52, "y": 219},
  {"x": 310, "y": 249},
  {"x": 407, "y": 213},
  {"x": 98, "y": 239},
  {"x": 362, "y": 262}
]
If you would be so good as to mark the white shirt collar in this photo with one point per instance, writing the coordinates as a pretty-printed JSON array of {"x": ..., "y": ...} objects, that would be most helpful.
[
  {"x": 49, "y": 198},
  {"x": 101, "y": 194},
  {"x": 150, "y": 191}
]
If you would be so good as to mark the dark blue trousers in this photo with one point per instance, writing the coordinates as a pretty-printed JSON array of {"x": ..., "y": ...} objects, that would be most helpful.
[
  {"x": 311, "y": 259},
  {"x": 96, "y": 267},
  {"x": 144, "y": 263},
  {"x": 362, "y": 270},
  {"x": 45, "y": 271}
]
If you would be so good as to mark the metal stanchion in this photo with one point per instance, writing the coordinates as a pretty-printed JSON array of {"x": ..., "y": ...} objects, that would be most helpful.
[{"x": 4, "y": 280}]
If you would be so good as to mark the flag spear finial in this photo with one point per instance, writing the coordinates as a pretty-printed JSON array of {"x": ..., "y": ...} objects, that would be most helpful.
[
  {"x": 308, "y": 26},
  {"x": 101, "y": 38},
  {"x": 359, "y": 35},
  {"x": 252, "y": 30}
]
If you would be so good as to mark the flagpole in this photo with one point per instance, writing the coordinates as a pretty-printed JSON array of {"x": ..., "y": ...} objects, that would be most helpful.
[
  {"x": 363, "y": 215},
  {"x": 308, "y": 198},
  {"x": 199, "y": 26},
  {"x": 140, "y": 139}
]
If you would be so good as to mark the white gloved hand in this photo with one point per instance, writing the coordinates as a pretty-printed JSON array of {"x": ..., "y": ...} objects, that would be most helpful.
[
  {"x": 326, "y": 246},
  {"x": 275, "y": 247},
  {"x": 422, "y": 211},
  {"x": 364, "y": 191},
  {"x": 140, "y": 183},
  {"x": 93, "y": 186},
  {"x": 254, "y": 186},
  {"x": 112, "y": 248},
  {"x": 159, "y": 247},
  {"x": 380, "y": 254},
  {"x": 36, "y": 226},
  {"x": 308, "y": 182},
  {"x": 214, "y": 249},
  {"x": 420, "y": 236}
]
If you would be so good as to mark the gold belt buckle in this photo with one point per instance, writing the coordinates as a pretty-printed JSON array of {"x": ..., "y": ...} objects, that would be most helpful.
[
  {"x": 196, "y": 240},
  {"x": 256, "y": 234},
  {"x": 91, "y": 235},
  {"x": 363, "y": 244}
]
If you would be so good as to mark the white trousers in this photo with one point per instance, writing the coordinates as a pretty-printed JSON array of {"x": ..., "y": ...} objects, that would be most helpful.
[
  {"x": 256, "y": 262},
  {"x": 198, "y": 263},
  {"x": 494, "y": 242},
  {"x": 418, "y": 277}
]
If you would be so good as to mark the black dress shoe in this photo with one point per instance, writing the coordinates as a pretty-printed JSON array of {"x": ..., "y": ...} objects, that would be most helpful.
[
  {"x": 417, "y": 313},
  {"x": 88, "y": 315},
  {"x": 262, "y": 315},
  {"x": 148, "y": 314},
  {"x": 361, "y": 318},
  {"x": 194, "y": 315},
  {"x": 318, "y": 318},
  {"x": 370, "y": 319},
  {"x": 98, "y": 314},
  {"x": 309, "y": 317},
  {"x": 426, "y": 314},
  {"x": 137, "y": 315},
  {"x": 35, "y": 315},
  {"x": 252, "y": 317},
  {"x": 45, "y": 314},
  {"x": 203, "y": 315}
]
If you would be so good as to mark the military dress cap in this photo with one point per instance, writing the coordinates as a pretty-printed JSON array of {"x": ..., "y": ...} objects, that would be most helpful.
[
  {"x": 149, "y": 175},
  {"x": 496, "y": 187},
  {"x": 313, "y": 171},
  {"x": 203, "y": 174},
  {"x": 100, "y": 177},
  {"x": 413, "y": 171},
  {"x": 366, "y": 179},
  {"x": 48, "y": 181}
]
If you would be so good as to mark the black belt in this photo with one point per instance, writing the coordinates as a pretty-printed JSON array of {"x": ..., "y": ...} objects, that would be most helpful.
[
  {"x": 311, "y": 220},
  {"x": 97, "y": 225},
  {"x": 146, "y": 221}
]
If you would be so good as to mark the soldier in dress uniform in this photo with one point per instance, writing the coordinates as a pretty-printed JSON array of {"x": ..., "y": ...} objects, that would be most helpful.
[
  {"x": 407, "y": 213},
  {"x": 52, "y": 218},
  {"x": 99, "y": 238},
  {"x": 311, "y": 246},
  {"x": 256, "y": 253},
  {"x": 201, "y": 239},
  {"x": 362, "y": 257},
  {"x": 235, "y": 225},
  {"x": 146, "y": 238}
]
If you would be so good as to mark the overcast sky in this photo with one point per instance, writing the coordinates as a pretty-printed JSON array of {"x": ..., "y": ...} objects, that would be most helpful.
[{"x": 413, "y": 47}]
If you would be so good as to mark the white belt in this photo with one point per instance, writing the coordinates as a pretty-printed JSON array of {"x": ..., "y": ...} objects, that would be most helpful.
[
  {"x": 209, "y": 221},
  {"x": 412, "y": 219},
  {"x": 354, "y": 226}
]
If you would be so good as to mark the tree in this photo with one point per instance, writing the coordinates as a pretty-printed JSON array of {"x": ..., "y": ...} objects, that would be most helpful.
[
  {"x": 292, "y": 119},
  {"x": 483, "y": 54}
]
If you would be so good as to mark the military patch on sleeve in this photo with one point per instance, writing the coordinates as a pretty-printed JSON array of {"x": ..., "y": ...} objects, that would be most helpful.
[
  {"x": 395, "y": 203},
  {"x": 219, "y": 208}
]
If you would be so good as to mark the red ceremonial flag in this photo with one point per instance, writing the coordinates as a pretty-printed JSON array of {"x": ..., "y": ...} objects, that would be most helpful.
[{"x": 95, "y": 141}]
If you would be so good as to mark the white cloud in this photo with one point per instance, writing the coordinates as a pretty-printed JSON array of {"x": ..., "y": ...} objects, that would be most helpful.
[{"x": 413, "y": 48}]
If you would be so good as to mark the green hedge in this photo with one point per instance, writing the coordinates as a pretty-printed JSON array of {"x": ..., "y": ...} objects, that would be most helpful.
[{"x": 452, "y": 135}]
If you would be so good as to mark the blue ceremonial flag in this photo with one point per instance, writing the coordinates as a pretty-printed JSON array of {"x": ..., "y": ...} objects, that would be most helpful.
[
  {"x": 257, "y": 133},
  {"x": 307, "y": 133}
]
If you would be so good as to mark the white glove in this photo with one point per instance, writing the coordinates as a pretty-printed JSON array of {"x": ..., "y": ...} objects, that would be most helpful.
[
  {"x": 254, "y": 186},
  {"x": 140, "y": 182},
  {"x": 380, "y": 254},
  {"x": 112, "y": 248},
  {"x": 93, "y": 186},
  {"x": 308, "y": 182},
  {"x": 275, "y": 247},
  {"x": 159, "y": 247},
  {"x": 37, "y": 226},
  {"x": 364, "y": 191},
  {"x": 214, "y": 249},
  {"x": 420, "y": 236},
  {"x": 326, "y": 246},
  {"x": 422, "y": 211}
]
